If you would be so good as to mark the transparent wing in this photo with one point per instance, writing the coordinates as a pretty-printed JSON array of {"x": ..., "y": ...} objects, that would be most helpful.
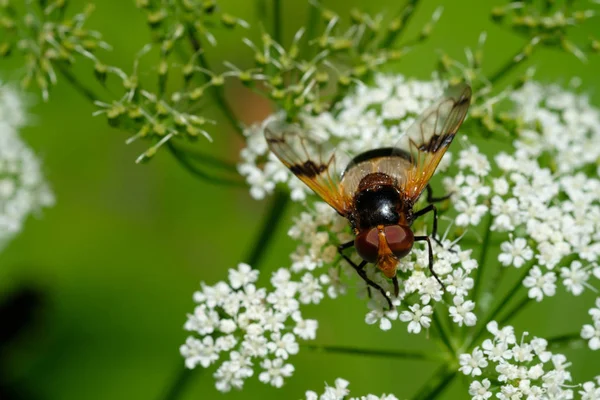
[
  {"x": 427, "y": 140},
  {"x": 318, "y": 166}
]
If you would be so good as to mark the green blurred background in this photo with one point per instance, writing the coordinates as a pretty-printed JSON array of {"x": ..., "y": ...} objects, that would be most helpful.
[{"x": 119, "y": 256}]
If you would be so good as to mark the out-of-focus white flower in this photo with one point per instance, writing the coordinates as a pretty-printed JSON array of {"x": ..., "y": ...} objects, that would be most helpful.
[
  {"x": 591, "y": 332},
  {"x": 23, "y": 189},
  {"x": 590, "y": 391},
  {"x": 341, "y": 392}
]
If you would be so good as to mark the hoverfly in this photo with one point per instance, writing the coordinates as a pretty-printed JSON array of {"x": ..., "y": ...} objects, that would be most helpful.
[{"x": 377, "y": 189}]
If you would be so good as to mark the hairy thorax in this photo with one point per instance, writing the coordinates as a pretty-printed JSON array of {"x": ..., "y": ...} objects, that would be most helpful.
[{"x": 378, "y": 202}]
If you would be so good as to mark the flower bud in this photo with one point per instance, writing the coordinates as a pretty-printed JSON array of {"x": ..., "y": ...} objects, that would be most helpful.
[{"x": 100, "y": 71}]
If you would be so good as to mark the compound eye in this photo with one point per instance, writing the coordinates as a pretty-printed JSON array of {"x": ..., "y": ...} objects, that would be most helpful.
[
  {"x": 400, "y": 239},
  {"x": 367, "y": 245}
]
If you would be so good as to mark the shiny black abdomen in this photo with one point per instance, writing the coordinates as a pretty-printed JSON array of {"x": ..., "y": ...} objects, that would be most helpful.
[{"x": 377, "y": 206}]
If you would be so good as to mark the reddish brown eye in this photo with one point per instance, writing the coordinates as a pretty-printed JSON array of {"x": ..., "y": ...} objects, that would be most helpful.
[
  {"x": 367, "y": 245},
  {"x": 400, "y": 239}
]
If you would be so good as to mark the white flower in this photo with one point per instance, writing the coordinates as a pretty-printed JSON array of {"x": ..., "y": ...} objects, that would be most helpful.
[
  {"x": 417, "y": 317},
  {"x": 471, "y": 364},
  {"x": 199, "y": 352},
  {"x": 540, "y": 284},
  {"x": 232, "y": 373},
  {"x": 338, "y": 392},
  {"x": 305, "y": 328},
  {"x": 384, "y": 317},
  {"x": 243, "y": 276},
  {"x": 595, "y": 312},
  {"x": 283, "y": 346},
  {"x": 575, "y": 277},
  {"x": 592, "y": 333},
  {"x": 310, "y": 290},
  {"x": 459, "y": 283},
  {"x": 515, "y": 253},
  {"x": 275, "y": 371},
  {"x": 461, "y": 312},
  {"x": 470, "y": 212},
  {"x": 590, "y": 391},
  {"x": 473, "y": 159},
  {"x": 480, "y": 390}
]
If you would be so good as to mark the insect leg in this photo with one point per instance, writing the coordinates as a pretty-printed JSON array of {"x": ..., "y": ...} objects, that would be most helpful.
[
  {"x": 431, "y": 199},
  {"x": 396, "y": 288},
  {"x": 360, "y": 269},
  {"x": 428, "y": 240},
  {"x": 426, "y": 210},
  {"x": 345, "y": 246}
]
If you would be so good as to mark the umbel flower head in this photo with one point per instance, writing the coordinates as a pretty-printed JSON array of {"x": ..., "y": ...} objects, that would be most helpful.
[
  {"x": 519, "y": 367},
  {"x": 23, "y": 189},
  {"x": 249, "y": 327}
]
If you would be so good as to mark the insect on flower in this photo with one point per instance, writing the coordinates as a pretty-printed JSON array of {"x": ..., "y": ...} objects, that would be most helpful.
[{"x": 377, "y": 189}]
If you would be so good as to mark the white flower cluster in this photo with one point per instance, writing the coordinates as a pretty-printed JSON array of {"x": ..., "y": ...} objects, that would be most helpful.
[
  {"x": 542, "y": 195},
  {"x": 249, "y": 324},
  {"x": 373, "y": 116},
  {"x": 320, "y": 230},
  {"x": 341, "y": 392},
  {"x": 592, "y": 332},
  {"x": 519, "y": 369},
  {"x": 22, "y": 186}
]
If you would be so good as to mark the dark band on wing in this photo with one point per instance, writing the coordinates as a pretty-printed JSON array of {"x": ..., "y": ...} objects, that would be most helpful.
[
  {"x": 309, "y": 169},
  {"x": 275, "y": 140},
  {"x": 436, "y": 142}
]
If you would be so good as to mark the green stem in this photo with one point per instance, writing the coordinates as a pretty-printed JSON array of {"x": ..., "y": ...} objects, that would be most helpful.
[
  {"x": 507, "y": 67},
  {"x": 277, "y": 19},
  {"x": 507, "y": 298},
  {"x": 482, "y": 257},
  {"x": 311, "y": 29},
  {"x": 274, "y": 216},
  {"x": 443, "y": 334},
  {"x": 217, "y": 93},
  {"x": 441, "y": 379},
  {"x": 514, "y": 311},
  {"x": 405, "y": 354},
  {"x": 188, "y": 165},
  {"x": 565, "y": 340},
  {"x": 406, "y": 14},
  {"x": 177, "y": 153},
  {"x": 179, "y": 383},
  {"x": 82, "y": 89}
]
